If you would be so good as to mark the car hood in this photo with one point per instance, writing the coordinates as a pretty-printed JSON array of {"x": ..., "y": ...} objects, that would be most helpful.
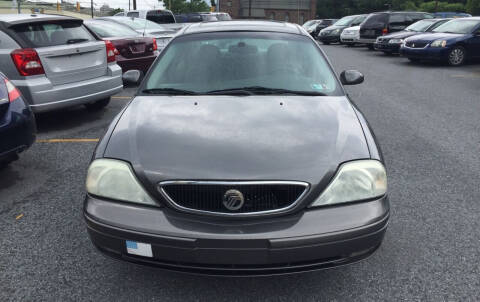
[
  {"x": 237, "y": 138},
  {"x": 333, "y": 27},
  {"x": 401, "y": 34},
  {"x": 430, "y": 37}
]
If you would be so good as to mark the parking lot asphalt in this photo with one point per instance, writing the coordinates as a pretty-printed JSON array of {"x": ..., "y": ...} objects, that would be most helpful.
[{"x": 427, "y": 120}]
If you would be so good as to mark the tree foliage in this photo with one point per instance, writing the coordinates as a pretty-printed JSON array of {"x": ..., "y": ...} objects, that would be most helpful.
[
  {"x": 184, "y": 6},
  {"x": 336, "y": 8}
]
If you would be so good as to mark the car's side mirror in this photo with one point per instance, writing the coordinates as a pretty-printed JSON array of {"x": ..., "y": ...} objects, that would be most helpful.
[
  {"x": 132, "y": 77},
  {"x": 351, "y": 77}
]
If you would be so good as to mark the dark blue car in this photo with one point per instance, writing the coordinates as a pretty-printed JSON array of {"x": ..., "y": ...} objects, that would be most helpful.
[
  {"x": 17, "y": 123},
  {"x": 453, "y": 42}
]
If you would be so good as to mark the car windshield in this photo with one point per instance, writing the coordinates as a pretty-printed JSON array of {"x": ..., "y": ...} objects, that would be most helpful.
[
  {"x": 223, "y": 17},
  {"x": 345, "y": 21},
  {"x": 140, "y": 24},
  {"x": 110, "y": 29},
  {"x": 215, "y": 62},
  {"x": 421, "y": 26},
  {"x": 458, "y": 27}
]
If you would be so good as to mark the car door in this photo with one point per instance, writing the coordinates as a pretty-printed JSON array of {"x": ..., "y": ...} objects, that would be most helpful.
[{"x": 473, "y": 44}]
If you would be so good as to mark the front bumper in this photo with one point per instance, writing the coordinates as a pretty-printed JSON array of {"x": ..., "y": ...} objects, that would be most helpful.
[
  {"x": 349, "y": 39},
  {"x": 428, "y": 53},
  {"x": 310, "y": 240},
  {"x": 43, "y": 96},
  {"x": 387, "y": 47},
  {"x": 329, "y": 39}
]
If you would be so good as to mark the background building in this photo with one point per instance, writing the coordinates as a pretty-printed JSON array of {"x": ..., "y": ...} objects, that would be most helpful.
[{"x": 295, "y": 11}]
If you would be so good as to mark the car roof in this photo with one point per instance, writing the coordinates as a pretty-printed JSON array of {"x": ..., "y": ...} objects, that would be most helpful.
[
  {"x": 25, "y": 18},
  {"x": 468, "y": 18},
  {"x": 242, "y": 25}
]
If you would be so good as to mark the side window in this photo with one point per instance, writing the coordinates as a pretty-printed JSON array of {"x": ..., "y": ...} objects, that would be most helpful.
[
  {"x": 133, "y": 14},
  {"x": 397, "y": 22}
]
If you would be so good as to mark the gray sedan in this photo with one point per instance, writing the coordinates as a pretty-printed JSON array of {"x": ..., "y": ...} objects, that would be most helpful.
[{"x": 241, "y": 154}]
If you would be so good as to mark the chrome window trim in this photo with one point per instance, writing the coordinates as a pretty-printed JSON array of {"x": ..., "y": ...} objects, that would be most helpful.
[{"x": 238, "y": 183}]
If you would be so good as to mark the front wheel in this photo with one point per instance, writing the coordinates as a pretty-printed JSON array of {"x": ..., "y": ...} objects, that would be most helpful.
[
  {"x": 98, "y": 105},
  {"x": 457, "y": 56},
  {"x": 370, "y": 46}
]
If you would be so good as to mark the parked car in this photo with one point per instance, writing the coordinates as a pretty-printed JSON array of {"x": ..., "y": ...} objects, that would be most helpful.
[
  {"x": 323, "y": 23},
  {"x": 144, "y": 27},
  {"x": 391, "y": 43},
  {"x": 331, "y": 34},
  {"x": 56, "y": 62},
  {"x": 350, "y": 36},
  {"x": 159, "y": 16},
  {"x": 451, "y": 15},
  {"x": 311, "y": 25},
  {"x": 381, "y": 24},
  {"x": 195, "y": 17},
  {"x": 195, "y": 164},
  {"x": 17, "y": 123},
  {"x": 221, "y": 16},
  {"x": 133, "y": 50},
  {"x": 453, "y": 42}
]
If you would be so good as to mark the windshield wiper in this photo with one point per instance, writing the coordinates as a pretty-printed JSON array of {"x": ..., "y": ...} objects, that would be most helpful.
[
  {"x": 262, "y": 90},
  {"x": 169, "y": 91},
  {"x": 73, "y": 41}
]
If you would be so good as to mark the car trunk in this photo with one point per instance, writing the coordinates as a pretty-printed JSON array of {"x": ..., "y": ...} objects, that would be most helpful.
[
  {"x": 72, "y": 63},
  {"x": 67, "y": 50},
  {"x": 133, "y": 47}
]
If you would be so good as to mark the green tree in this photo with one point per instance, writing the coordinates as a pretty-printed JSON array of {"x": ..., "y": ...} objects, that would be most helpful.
[
  {"x": 115, "y": 11},
  {"x": 473, "y": 7},
  {"x": 192, "y": 6}
]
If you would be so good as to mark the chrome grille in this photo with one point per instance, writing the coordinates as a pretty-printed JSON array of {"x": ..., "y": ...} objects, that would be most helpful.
[
  {"x": 416, "y": 44},
  {"x": 208, "y": 197}
]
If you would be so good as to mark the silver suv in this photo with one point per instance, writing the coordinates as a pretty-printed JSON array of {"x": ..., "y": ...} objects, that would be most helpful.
[{"x": 56, "y": 62}]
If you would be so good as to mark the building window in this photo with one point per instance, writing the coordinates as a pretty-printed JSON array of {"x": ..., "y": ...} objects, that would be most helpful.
[
  {"x": 302, "y": 19},
  {"x": 272, "y": 16},
  {"x": 287, "y": 17}
]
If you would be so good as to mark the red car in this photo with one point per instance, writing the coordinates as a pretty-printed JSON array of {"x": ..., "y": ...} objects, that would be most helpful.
[{"x": 132, "y": 50}]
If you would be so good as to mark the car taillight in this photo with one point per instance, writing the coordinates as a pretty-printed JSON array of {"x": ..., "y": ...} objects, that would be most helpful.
[
  {"x": 13, "y": 92},
  {"x": 385, "y": 31},
  {"x": 27, "y": 62},
  {"x": 111, "y": 51},
  {"x": 155, "y": 47}
]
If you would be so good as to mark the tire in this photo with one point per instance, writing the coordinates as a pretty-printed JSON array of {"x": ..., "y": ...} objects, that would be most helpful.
[
  {"x": 98, "y": 105},
  {"x": 414, "y": 60},
  {"x": 370, "y": 46},
  {"x": 6, "y": 161},
  {"x": 457, "y": 56},
  {"x": 350, "y": 44},
  {"x": 326, "y": 43}
]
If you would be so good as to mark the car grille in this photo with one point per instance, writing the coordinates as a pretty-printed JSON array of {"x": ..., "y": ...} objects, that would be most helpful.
[
  {"x": 416, "y": 44},
  {"x": 263, "y": 197},
  {"x": 382, "y": 40}
]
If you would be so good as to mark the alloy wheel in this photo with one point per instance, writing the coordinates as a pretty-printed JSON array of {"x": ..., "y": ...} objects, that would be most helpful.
[{"x": 456, "y": 56}]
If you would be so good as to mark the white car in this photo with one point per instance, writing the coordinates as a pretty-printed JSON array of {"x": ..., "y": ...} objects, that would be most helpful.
[{"x": 350, "y": 36}]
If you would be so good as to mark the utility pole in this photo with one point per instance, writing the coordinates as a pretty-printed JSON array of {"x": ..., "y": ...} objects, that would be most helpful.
[
  {"x": 436, "y": 6},
  {"x": 91, "y": 3},
  {"x": 249, "y": 9},
  {"x": 134, "y": 4},
  {"x": 128, "y": 4},
  {"x": 298, "y": 12}
]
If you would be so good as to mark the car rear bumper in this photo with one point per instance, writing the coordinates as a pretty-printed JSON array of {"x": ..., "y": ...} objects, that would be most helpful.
[
  {"x": 43, "y": 96},
  {"x": 141, "y": 63},
  {"x": 434, "y": 54},
  {"x": 311, "y": 240},
  {"x": 17, "y": 129},
  {"x": 366, "y": 41}
]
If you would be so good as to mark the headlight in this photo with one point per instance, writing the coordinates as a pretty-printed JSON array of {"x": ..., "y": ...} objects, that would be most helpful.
[
  {"x": 355, "y": 180},
  {"x": 395, "y": 41},
  {"x": 114, "y": 179},
  {"x": 336, "y": 32},
  {"x": 439, "y": 43}
]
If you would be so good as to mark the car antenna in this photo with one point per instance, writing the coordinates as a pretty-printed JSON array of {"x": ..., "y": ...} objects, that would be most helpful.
[{"x": 145, "y": 27}]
